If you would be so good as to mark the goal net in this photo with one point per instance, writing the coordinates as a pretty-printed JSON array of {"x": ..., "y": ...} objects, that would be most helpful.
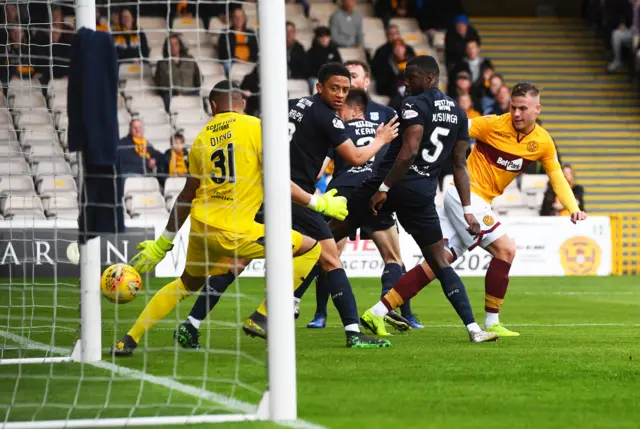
[{"x": 56, "y": 329}]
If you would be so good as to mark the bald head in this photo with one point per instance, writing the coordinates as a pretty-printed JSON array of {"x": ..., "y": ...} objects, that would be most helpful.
[{"x": 226, "y": 96}]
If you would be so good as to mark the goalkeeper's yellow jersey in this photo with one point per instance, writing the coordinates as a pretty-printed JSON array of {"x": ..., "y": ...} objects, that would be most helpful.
[{"x": 227, "y": 158}]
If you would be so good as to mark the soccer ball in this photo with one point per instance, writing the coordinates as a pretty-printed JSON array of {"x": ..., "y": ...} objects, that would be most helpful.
[{"x": 120, "y": 283}]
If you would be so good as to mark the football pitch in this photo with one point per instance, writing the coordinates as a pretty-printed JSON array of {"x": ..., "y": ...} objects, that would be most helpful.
[{"x": 576, "y": 363}]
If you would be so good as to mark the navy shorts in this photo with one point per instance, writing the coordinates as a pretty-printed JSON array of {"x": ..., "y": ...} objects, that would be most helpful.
[
  {"x": 376, "y": 223},
  {"x": 305, "y": 221},
  {"x": 416, "y": 211}
]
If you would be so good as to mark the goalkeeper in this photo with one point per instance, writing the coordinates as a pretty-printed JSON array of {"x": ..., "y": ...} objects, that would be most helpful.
[{"x": 224, "y": 192}]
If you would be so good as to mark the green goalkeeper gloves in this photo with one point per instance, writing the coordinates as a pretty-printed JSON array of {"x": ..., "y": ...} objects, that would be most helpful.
[
  {"x": 152, "y": 252},
  {"x": 330, "y": 205}
]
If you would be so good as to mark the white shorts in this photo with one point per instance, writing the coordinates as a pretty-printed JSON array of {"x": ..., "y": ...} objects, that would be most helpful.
[{"x": 454, "y": 227}]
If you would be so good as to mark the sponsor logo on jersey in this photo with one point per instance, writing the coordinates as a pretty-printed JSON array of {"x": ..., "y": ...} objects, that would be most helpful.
[
  {"x": 580, "y": 256},
  {"x": 532, "y": 146},
  {"x": 409, "y": 114},
  {"x": 375, "y": 116},
  {"x": 510, "y": 165},
  {"x": 338, "y": 123}
]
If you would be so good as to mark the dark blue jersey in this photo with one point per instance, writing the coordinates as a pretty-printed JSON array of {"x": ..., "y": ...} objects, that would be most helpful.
[
  {"x": 444, "y": 123},
  {"x": 362, "y": 132},
  {"x": 314, "y": 128}
]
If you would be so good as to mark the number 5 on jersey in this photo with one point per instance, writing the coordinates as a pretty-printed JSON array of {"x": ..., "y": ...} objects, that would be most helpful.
[
  {"x": 224, "y": 161},
  {"x": 437, "y": 144}
]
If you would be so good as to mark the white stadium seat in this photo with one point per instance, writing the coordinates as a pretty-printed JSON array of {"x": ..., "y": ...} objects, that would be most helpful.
[
  {"x": 152, "y": 117},
  {"x": 405, "y": 25},
  {"x": 189, "y": 117},
  {"x": 50, "y": 168},
  {"x": 180, "y": 102},
  {"x": 22, "y": 87},
  {"x": 534, "y": 182},
  {"x": 298, "y": 85},
  {"x": 57, "y": 86},
  {"x": 50, "y": 152},
  {"x": 158, "y": 134},
  {"x": 135, "y": 87},
  {"x": 22, "y": 206},
  {"x": 305, "y": 38},
  {"x": 38, "y": 137},
  {"x": 13, "y": 165},
  {"x": 145, "y": 101},
  {"x": 211, "y": 68},
  {"x": 58, "y": 103},
  {"x": 174, "y": 185},
  {"x": 10, "y": 151},
  {"x": 510, "y": 199},
  {"x": 240, "y": 70},
  {"x": 203, "y": 53},
  {"x": 140, "y": 185},
  {"x": 350, "y": 54},
  {"x": 12, "y": 185},
  {"x": 5, "y": 117},
  {"x": 51, "y": 185},
  {"x": 134, "y": 70},
  {"x": 23, "y": 101},
  {"x": 152, "y": 23},
  {"x": 56, "y": 204},
  {"x": 33, "y": 117},
  {"x": 7, "y": 133},
  {"x": 147, "y": 205}
]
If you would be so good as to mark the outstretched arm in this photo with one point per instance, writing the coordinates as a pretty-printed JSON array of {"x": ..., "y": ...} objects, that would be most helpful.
[
  {"x": 182, "y": 205},
  {"x": 357, "y": 156},
  {"x": 565, "y": 195},
  {"x": 410, "y": 147},
  {"x": 328, "y": 204}
]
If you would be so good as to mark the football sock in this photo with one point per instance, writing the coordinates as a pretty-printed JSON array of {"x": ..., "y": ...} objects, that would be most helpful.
[
  {"x": 496, "y": 282},
  {"x": 322, "y": 294},
  {"x": 406, "y": 288},
  {"x": 302, "y": 265},
  {"x": 456, "y": 293},
  {"x": 162, "y": 303},
  {"x": 343, "y": 298},
  {"x": 390, "y": 276},
  {"x": 315, "y": 272},
  {"x": 209, "y": 297}
]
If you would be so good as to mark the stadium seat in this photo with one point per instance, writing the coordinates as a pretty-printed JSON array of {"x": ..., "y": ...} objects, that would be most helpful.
[
  {"x": 300, "y": 21},
  {"x": 23, "y": 87},
  {"x": 13, "y": 163},
  {"x": 35, "y": 154},
  {"x": 140, "y": 185},
  {"x": 134, "y": 70},
  {"x": 306, "y": 39},
  {"x": 191, "y": 117},
  {"x": 57, "y": 86},
  {"x": 5, "y": 117},
  {"x": 124, "y": 117},
  {"x": 10, "y": 151},
  {"x": 300, "y": 85},
  {"x": 27, "y": 118},
  {"x": 123, "y": 130},
  {"x": 438, "y": 40},
  {"x": 406, "y": 25},
  {"x": 522, "y": 212},
  {"x": 372, "y": 24},
  {"x": 510, "y": 199},
  {"x": 16, "y": 185},
  {"x": 145, "y": 101},
  {"x": 22, "y": 206},
  {"x": 365, "y": 9},
  {"x": 415, "y": 38},
  {"x": 151, "y": 205},
  {"x": 323, "y": 11},
  {"x": 373, "y": 40},
  {"x": 158, "y": 134},
  {"x": 423, "y": 49},
  {"x": 38, "y": 137},
  {"x": 61, "y": 206},
  {"x": 349, "y": 54},
  {"x": 51, "y": 185},
  {"x": 179, "y": 102},
  {"x": 240, "y": 70},
  {"x": 156, "y": 38},
  {"x": 174, "y": 185},
  {"x": 152, "y": 23},
  {"x": 58, "y": 103},
  {"x": 50, "y": 168},
  {"x": 211, "y": 68},
  {"x": 203, "y": 52},
  {"x": 534, "y": 183},
  {"x": 216, "y": 27},
  {"x": 151, "y": 117},
  {"x": 8, "y": 134},
  {"x": 135, "y": 87},
  {"x": 3, "y": 100},
  {"x": 23, "y": 101}
]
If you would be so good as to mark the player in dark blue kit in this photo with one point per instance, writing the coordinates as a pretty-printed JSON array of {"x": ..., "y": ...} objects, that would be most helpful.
[
  {"x": 433, "y": 127},
  {"x": 345, "y": 180}
]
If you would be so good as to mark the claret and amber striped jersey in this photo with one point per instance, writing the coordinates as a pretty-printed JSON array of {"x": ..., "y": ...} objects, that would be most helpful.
[
  {"x": 227, "y": 158},
  {"x": 501, "y": 153}
]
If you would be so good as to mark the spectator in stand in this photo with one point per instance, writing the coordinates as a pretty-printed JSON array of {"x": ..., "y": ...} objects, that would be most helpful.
[
  {"x": 623, "y": 34},
  {"x": 323, "y": 50},
  {"x": 391, "y": 73},
  {"x": 461, "y": 85},
  {"x": 251, "y": 87},
  {"x": 456, "y": 41},
  {"x": 18, "y": 58},
  {"x": 380, "y": 66},
  {"x": 434, "y": 15},
  {"x": 495, "y": 83},
  {"x": 346, "y": 25},
  {"x": 101, "y": 24},
  {"x": 466, "y": 104},
  {"x": 176, "y": 159},
  {"x": 480, "y": 88},
  {"x": 550, "y": 204},
  {"x": 473, "y": 62},
  {"x": 298, "y": 68},
  {"x": 503, "y": 101},
  {"x": 114, "y": 20},
  {"x": 178, "y": 72},
  {"x": 131, "y": 42},
  {"x": 238, "y": 42},
  {"x": 387, "y": 9},
  {"x": 136, "y": 156},
  {"x": 53, "y": 53}
]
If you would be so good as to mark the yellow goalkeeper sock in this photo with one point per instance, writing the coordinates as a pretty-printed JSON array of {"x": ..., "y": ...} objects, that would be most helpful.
[
  {"x": 162, "y": 303},
  {"x": 302, "y": 266}
]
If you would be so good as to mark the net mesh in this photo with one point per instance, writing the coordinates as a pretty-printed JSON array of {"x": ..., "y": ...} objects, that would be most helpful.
[{"x": 171, "y": 54}]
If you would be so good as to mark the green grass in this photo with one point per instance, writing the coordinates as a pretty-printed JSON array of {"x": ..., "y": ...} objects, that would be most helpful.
[{"x": 575, "y": 365}]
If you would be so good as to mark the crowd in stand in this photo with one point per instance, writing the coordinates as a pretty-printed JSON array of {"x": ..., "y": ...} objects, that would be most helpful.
[{"x": 41, "y": 52}]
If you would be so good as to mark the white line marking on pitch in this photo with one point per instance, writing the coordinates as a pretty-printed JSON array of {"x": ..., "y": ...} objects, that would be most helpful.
[
  {"x": 581, "y": 293},
  {"x": 224, "y": 401}
]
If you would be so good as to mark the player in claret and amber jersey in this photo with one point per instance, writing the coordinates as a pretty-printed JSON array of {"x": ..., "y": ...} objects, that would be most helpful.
[{"x": 505, "y": 145}]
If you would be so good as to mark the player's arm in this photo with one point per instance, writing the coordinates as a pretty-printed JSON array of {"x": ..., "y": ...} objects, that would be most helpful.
[
  {"x": 411, "y": 139},
  {"x": 463, "y": 183},
  {"x": 560, "y": 185},
  {"x": 325, "y": 165},
  {"x": 182, "y": 206},
  {"x": 357, "y": 156},
  {"x": 328, "y": 204}
]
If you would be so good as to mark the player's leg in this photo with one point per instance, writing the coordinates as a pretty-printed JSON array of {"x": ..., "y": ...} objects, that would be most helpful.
[
  {"x": 167, "y": 298},
  {"x": 496, "y": 282},
  {"x": 306, "y": 252},
  {"x": 319, "y": 320},
  {"x": 384, "y": 233},
  {"x": 419, "y": 218}
]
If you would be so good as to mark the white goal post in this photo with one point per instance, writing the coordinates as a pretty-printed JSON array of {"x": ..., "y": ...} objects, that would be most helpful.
[{"x": 279, "y": 402}]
